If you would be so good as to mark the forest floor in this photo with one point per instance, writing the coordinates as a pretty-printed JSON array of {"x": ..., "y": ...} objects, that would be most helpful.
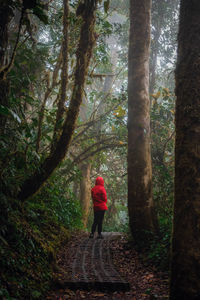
[{"x": 146, "y": 282}]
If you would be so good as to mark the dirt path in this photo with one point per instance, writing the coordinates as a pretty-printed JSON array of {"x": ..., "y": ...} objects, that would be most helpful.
[{"x": 145, "y": 282}]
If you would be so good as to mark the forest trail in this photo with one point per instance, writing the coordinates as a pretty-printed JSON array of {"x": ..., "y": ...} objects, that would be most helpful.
[{"x": 105, "y": 269}]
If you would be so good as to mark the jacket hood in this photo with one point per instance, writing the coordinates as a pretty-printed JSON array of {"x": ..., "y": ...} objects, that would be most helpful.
[{"x": 99, "y": 181}]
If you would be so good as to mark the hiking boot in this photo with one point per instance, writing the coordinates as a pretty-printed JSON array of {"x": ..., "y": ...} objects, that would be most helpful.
[
  {"x": 100, "y": 236},
  {"x": 91, "y": 235}
]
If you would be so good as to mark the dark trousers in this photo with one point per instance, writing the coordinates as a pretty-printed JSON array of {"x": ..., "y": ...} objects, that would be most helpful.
[{"x": 98, "y": 220}]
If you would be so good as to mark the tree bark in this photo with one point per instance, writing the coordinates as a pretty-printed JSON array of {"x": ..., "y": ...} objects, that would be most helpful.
[
  {"x": 185, "y": 261},
  {"x": 83, "y": 54},
  {"x": 140, "y": 201}
]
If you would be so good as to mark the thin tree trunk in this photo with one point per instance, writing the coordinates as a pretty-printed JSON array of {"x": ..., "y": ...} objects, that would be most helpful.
[
  {"x": 46, "y": 96},
  {"x": 41, "y": 118},
  {"x": 83, "y": 54},
  {"x": 185, "y": 265},
  {"x": 75, "y": 188},
  {"x": 85, "y": 191},
  {"x": 64, "y": 76},
  {"x": 140, "y": 202},
  {"x": 85, "y": 167}
]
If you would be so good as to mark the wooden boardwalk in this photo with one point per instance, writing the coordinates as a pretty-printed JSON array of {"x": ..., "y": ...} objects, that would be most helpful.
[{"x": 92, "y": 267}]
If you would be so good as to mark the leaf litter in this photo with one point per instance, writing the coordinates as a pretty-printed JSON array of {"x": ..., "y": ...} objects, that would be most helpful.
[{"x": 146, "y": 282}]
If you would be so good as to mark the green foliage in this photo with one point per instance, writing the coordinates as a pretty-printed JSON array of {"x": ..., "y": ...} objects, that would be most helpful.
[
  {"x": 39, "y": 11},
  {"x": 31, "y": 234},
  {"x": 159, "y": 251},
  {"x": 24, "y": 262},
  {"x": 57, "y": 203},
  {"x": 8, "y": 112},
  {"x": 162, "y": 124},
  {"x": 117, "y": 222}
]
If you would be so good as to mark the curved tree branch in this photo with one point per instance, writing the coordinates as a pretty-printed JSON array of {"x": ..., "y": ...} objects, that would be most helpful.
[{"x": 83, "y": 55}]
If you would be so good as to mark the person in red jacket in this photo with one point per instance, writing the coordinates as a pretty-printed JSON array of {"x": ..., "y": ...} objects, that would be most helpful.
[{"x": 99, "y": 198}]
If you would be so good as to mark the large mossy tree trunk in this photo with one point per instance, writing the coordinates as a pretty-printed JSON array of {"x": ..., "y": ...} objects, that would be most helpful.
[
  {"x": 140, "y": 202},
  {"x": 83, "y": 55},
  {"x": 185, "y": 263}
]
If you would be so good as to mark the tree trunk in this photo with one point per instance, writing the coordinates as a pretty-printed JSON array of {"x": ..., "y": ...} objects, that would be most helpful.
[
  {"x": 140, "y": 202},
  {"x": 85, "y": 167},
  {"x": 85, "y": 191},
  {"x": 185, "y": 265},
  {"x": 83, "y": 54},
  {"x": 64, "y": 76}
]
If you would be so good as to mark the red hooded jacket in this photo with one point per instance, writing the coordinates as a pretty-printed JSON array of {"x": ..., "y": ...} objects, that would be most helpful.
[{"x": 99, "y": 196}]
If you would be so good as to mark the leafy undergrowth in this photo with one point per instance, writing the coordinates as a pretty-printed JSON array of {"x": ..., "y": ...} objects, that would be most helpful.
[
  {"x": 27, "y": 257},
  {"x": 145, "y": 280},
  {"x": 30, "y": 235}
]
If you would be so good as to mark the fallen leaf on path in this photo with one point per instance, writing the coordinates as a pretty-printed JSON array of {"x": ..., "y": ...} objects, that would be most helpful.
[
  {"x": 98, "y": 295},
  {"x": 82, "y": 295}
]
